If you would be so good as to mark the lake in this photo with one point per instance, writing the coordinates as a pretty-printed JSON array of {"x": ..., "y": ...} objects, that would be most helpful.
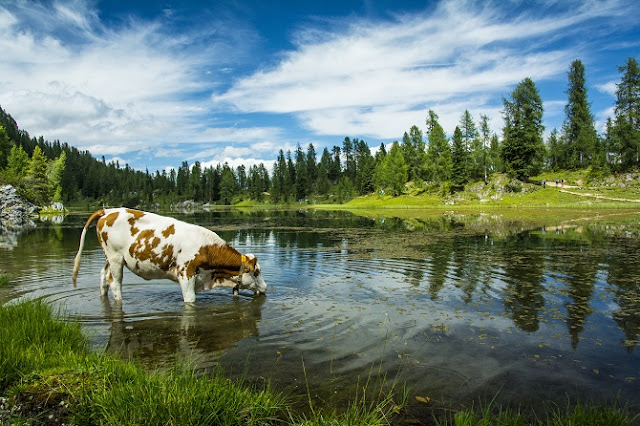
[{"x": 526, "y": 307}]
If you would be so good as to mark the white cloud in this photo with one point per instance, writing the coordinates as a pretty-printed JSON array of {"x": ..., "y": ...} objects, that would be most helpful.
[
  {"x": 610, "y": 88},
  {"x": 112, "y": 90},
  {"x": 377, "y": 79}
]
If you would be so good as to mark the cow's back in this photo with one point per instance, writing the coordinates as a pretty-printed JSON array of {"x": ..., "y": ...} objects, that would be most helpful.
[{"x": 151, "y": 245}]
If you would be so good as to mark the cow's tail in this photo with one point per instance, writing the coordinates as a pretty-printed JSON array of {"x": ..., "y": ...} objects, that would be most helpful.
[{"x": 76, "y": 263}]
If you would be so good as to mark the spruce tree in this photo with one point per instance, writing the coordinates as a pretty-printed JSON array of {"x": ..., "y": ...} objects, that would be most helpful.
[
  {"x": 627, "y": 115},
  {"x": 523, "y": 147},
  {"x": 18, "y": 163},
  {"x": 5, "y": 148},
  {"x": 37, "y": 177},
  {"x": 438, "y": 160},
  {"x": 459, "y": 159},
  {"x": 579, "y": 130}
]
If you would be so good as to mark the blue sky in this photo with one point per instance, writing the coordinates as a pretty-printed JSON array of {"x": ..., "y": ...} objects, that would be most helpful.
[{"x": 153, "y": 84}]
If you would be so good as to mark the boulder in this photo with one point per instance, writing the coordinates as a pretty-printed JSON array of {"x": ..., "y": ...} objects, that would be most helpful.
[{"x": 16, "y": 215}]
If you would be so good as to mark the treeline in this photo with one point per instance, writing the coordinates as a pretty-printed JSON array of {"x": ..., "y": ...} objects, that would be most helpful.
[{"x": 424, "y": 160}]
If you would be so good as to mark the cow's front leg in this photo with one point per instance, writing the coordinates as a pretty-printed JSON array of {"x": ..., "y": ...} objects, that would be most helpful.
[{"x": 188, "y": 287}]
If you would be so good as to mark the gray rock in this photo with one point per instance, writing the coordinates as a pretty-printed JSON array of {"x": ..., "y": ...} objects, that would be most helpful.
[{"x": 16, "y": 216}]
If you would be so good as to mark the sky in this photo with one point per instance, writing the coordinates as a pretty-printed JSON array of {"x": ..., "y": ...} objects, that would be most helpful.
[{"x": 156, "y": 83}]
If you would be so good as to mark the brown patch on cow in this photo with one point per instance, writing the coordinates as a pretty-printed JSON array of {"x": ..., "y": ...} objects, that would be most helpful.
[
  {"x": 169, "y": 231},
  {"x": 109, "y": 219},
  {"x": 135, "y": 215},
  {"x": 224, "y": 260},
  {"x": 144, "y": 249},
  {"x": 105, "y": 237}
]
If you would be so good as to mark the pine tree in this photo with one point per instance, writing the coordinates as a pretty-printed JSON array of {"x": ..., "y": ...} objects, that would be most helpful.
[
  {"x": 37, "y": 177},
  {"x": 472, "y": 144},
  {"x": 579, "y": 130},
  {"x": 485, "y": 141},
  {"x": 55, "y": 169},
  {"x": 301, "y": 175},
  {"x": 554, "y": 150},
  {"x": 408, "y": 153},
  {"x": 5, "y": 148},
  {"x": 350, "y": 162},
  {"x": 417, "y": 140},
  {"x": 335, "y": 170},
  {"x": 627, "y": 115},
  {"x": 392, "y": 174},
  {"x": 323, "y": 184},
  {"x": 523, "y": 147},
  {"x": 459, "y": 158},
  {"x": 18, "y": 163},
  {"x": 438, "y": 160},
  {"x": 365, "y": 164},
  {"x": 278, "y": 180},
  {"x": 312, "y": 168},
  {"x": 227, "y": 185}
]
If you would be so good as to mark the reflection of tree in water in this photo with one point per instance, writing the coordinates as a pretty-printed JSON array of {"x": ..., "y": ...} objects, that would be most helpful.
[
  {"x": 624, "y": 278},
  {"x": 440, "y": 253},
  {"x": 201, "y": 330},
  {"x": 524, "y": 271},
  {"x": 472, "y": 261},
  {"x": 581, "y": 271}
]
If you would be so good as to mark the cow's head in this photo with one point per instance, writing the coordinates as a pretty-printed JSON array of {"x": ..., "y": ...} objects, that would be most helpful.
[{"x": 251, "y": 276}]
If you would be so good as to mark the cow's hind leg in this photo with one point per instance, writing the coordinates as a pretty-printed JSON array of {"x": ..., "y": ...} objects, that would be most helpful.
[
  {"x": 105, "y": 279},
  {"x": 116, "y": 277}
]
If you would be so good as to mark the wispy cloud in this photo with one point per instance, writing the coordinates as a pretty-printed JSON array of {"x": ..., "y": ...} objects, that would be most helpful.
[
  {"x": 110, "y": 89},
  {"x": 377, "y": 78}
]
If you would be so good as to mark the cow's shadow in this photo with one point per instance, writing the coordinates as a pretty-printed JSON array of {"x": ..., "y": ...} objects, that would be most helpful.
[{"x": 198, "y": 333}]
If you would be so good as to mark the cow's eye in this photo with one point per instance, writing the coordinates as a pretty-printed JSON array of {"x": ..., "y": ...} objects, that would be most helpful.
[{"x": 256, "y": 273}]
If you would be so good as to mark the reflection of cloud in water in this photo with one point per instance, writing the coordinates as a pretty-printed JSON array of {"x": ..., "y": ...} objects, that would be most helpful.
[{"x": 199, "y": 333}]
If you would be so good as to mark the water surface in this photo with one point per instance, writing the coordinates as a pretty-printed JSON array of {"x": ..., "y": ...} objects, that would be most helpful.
[{"x": 461, "y": 307}]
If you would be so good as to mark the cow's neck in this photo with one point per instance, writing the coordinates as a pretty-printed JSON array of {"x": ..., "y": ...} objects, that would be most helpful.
[{"x": 224, "y": 258}]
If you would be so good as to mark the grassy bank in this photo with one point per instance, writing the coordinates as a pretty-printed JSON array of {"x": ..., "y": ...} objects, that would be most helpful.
[{"x": 48, "y": 375}]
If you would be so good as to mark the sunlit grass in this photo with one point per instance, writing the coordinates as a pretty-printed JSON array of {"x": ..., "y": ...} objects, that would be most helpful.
[
  {"x": 577, "y": 415},
  {"x": 45, "y": 364}
]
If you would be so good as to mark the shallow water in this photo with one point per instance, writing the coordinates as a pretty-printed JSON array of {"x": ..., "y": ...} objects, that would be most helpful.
[{"x": 460, "y": 307}]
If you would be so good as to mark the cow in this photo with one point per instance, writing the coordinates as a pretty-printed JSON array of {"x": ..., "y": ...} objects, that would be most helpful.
[{"x": 153, "y": 246}]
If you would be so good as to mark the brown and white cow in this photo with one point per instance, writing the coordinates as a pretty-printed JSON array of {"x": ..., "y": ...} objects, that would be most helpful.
[{"x": 154, "y": 246}]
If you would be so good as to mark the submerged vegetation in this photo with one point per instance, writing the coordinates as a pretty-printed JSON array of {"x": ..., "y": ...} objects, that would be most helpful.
[{"x": 48, "y": 373}]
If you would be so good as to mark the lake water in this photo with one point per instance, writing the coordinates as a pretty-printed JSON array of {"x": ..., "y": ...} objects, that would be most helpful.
[{"x": 461, "y": 307}]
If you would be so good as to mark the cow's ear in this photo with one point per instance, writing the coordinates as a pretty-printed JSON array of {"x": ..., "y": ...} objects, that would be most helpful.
[{"x": 253, "y": 262}]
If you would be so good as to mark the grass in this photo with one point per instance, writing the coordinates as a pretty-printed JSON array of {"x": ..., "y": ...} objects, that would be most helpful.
[
  {"x": 578, "y": 415},
  {"x": 47, "y": 369}
]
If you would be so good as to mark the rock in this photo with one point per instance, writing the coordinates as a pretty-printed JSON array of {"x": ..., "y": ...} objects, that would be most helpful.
[{"x": 16, "y": 215}]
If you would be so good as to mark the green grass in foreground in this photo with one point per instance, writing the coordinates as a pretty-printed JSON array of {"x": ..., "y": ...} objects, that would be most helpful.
[{"x": 47, "y": 368}]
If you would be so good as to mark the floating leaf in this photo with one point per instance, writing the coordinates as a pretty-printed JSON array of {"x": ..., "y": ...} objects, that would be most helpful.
[
  {"x": 595, "y": 370},
  {"x": 423, "y": 399}
]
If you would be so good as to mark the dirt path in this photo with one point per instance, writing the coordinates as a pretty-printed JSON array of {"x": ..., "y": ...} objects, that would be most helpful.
[{"x": 598, "y": 196}]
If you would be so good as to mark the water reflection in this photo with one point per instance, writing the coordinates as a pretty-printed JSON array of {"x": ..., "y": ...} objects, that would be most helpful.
[{"x": 195, "y": 333}]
